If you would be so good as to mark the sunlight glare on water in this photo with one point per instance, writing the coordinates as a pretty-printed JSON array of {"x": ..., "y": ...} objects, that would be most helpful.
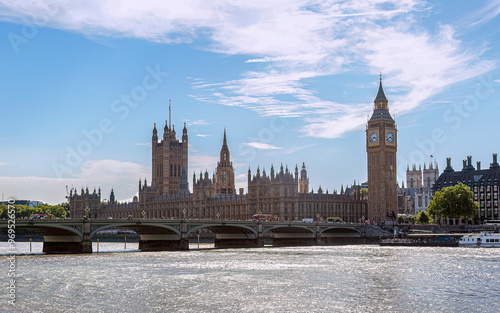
[{"x": 301, "y": 279}]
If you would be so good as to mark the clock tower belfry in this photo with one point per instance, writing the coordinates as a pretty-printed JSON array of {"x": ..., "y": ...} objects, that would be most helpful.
[{"x": 381, "y": 148}]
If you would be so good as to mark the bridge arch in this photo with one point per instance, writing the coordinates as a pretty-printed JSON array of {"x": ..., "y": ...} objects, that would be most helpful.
[
  {"x": 51, "y": 230},
  {"x": 226, "y": 228},
  {"x": 340, "y": 232},
  {"x": 288, "y": 229},
  {"x": 141, "y": 229}
]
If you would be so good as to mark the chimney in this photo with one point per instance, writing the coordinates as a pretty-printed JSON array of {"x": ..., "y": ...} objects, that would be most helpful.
[
  {"x": 464, "y": 167},
  {"x": 495, "y": 163},
  {"x": 448, "y": 165},
  {"x": 478, "y": 165},
  {"x": 469, "y": 163}
]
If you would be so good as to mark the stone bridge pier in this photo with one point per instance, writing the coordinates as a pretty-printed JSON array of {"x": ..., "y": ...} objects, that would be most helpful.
[{"x": 64, "y": 239}]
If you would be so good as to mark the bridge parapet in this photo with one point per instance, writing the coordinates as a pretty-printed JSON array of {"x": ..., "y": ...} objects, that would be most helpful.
[{"x": 74, "y": 235}]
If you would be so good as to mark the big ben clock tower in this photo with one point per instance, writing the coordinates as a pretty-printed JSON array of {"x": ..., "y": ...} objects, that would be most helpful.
[{"x": 381, "y": 148}]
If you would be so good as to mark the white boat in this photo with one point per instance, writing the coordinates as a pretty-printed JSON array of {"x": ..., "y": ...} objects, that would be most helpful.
[{"x": 487, "y": 240}]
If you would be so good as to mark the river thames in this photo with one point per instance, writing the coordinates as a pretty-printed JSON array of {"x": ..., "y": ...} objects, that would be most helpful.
[{"x": 354, "y": 278}]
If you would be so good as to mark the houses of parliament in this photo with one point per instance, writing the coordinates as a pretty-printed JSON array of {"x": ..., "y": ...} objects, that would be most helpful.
[{"x": 283, "y": 193}]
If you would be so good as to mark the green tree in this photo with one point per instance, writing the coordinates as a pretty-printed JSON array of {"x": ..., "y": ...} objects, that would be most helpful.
[
  {"x": 411, "y": 219},
  {"x": 364, "y": 193},
  {"x": 423, "y": 218},
  {"x": 334, "y": 219},
  {"x": 453, "y": 201},
  {"x": 65, "y": 205},
  {"x": 52, "y": 210},
  {"x": 401, "y": 219}
]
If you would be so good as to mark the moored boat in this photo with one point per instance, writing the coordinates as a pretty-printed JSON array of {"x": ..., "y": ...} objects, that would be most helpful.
[{"x": 487, "y": 240}]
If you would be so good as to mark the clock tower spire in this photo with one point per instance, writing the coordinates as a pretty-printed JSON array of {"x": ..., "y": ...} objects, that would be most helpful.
[{"x": 381, "y": 148}]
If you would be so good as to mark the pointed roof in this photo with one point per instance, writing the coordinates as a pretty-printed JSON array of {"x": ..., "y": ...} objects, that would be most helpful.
[
  {"x": 224, "y": 142},
  {"x": 380, "y": 107},
  {"x": 380, "y": 94}
]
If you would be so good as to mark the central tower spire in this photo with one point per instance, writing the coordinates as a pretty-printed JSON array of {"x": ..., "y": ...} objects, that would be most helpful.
[
  {"x": 169, "y": 114},
  {"x": 224, "y": 141},
  {"x": 225, "y": 171}
]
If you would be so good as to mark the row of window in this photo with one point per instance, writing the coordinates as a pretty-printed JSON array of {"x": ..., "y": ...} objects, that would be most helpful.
[
  {"x": 482, "y": 185},
  {"x": 175, "y": 170},
  {"x": 267, "y": 192}
]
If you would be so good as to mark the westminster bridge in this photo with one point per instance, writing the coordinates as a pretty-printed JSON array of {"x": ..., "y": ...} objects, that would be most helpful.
[{"x": 75, "y": 235}]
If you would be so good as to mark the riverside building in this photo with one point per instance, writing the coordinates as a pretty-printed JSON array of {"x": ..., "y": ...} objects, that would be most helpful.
[
  {"x": 282, "y": 194},
  {"x": 483, "y": 182}
]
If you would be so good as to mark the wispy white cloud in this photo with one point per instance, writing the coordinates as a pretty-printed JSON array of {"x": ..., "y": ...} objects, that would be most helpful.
[
  {"x": 240, "y": 176},
  {"x": 202, "y": 135},
  {"x": 104, "y": 174},
  {"x": 3, "y": 163},
  {"x": 198, "y": 122},
  {"x": 50, "y": 190},
  {"x": 291, "y": 42},
  {"x": 200, "y": 163},
  {"x": 143, "y": 144},
  {"x": 298, "y": 148},
  {"x": 482, "y": 15},
  {"x": 261, "y": 146},
  {"x": 418, "y": 64},
  {"x": 122, "y": 176}
]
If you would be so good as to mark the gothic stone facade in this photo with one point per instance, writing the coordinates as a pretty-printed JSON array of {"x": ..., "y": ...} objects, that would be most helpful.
[
  {"x": 419, "y": 188},
  {"x": 283, "y": 194}
]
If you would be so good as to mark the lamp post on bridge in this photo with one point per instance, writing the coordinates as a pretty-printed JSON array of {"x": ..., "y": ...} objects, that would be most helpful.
[
  {"x": 317, "y": 215},
  {"x": 218, "y": 215},
  {"x": 143, "y": 213},
  {"x": 184, "y": 211},
  {"x": 86, "y": 213}
]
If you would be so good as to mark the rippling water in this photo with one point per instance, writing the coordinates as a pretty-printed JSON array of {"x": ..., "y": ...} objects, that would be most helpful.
[{"x": 301, "y": 279}]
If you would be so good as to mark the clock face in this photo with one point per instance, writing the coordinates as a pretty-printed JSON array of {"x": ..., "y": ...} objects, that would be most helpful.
[
  {"x": 390, "y": 137},
  {"x": 374, "y": 137}
]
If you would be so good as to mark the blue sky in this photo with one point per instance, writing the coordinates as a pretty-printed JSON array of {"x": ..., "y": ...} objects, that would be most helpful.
[{"x": 81, "y": 85}]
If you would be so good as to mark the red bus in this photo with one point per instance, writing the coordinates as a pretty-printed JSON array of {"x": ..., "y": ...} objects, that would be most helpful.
[
  {"x": 263, "y": 217},
  {"x": 41, "y": 216}
]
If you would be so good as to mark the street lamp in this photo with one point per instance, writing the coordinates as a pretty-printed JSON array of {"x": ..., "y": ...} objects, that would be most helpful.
[
  {"x": 143, "y": 213},
  {"x": 184, "y": 211},
  {"x": 317, "y": 215},
  {"x": 276, "y": 217},
  {"x": 218, "y": 215},
  {"x": 87, "y": 212}
]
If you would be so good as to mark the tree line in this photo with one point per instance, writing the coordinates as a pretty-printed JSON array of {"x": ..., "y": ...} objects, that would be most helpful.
[{"x": 25, "y": 211}]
